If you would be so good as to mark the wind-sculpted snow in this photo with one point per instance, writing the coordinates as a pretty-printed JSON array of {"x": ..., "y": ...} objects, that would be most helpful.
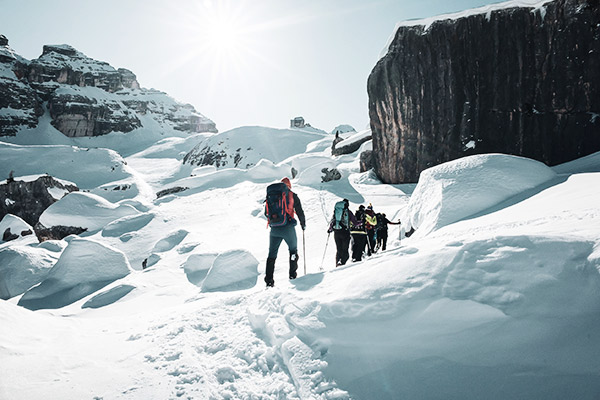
[
  {"x": 458, "y": 189},
  {"x": 233, "y": 270},
  {"x": 84, "y": 267},
  {"x": 127, "y": 224},
  {"x": 196, "y": 267},
  {"x": 84, "y": 210},
  {"x": 108, "y": 297},
  {"x": 88, "y": 168},
  {"x": 21, "y": 267},
  {"x": 264, "y": 171},
  {"x": 170, "y": 241}
]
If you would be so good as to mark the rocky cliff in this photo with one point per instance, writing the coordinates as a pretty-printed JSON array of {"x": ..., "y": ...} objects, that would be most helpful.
[
  {"x": 516, "y": 80},
  {"x": 28, "y": 197},
  {"x": 83, "y": 96}
]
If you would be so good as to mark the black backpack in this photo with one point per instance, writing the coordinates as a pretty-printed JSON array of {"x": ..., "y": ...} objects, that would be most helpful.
[{"x": 279, "y": 207}]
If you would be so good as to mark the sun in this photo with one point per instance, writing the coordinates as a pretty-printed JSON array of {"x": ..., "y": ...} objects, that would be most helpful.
[{"x": 223, "y": 34}]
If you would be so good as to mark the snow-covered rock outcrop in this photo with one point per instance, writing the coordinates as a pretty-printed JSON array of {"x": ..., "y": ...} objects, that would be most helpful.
[
  {"x": 458, "y": 189},
  {"x": 244, "y": 147},
  {"x": 84, "y": 267},
  {"x": 28, "y": 197}
]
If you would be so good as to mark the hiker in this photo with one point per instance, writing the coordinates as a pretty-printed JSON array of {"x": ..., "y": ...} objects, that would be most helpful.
[
  {"x": 382, "y": 230},
  {"x": 359, "y": 235},
  {"x": 370, "y": 224},
  {"x": 340, "y": 224},
  {"x": 280, "y": 205}
]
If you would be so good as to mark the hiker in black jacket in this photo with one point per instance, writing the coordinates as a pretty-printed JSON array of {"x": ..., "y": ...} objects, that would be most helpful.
[
  {"x": 382, "y": 230},
  {"x": 340, "y": 224},
  {"x": 359, "y": 234},
  {"x": 285, "y": 232}
]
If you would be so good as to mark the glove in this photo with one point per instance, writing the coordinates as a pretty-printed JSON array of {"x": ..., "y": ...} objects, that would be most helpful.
[
  {"x": 329, "y": 230},
  {"x": 303, "y": 227}
]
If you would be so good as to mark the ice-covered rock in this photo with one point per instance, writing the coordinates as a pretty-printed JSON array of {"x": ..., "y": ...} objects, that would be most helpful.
[
  {"x": 232, "y": 270},
  {"x": 84, "y": 267},
  {"x": 458, "y": 189},
  {"x": 21, "y": 267},
  {"x": 85, "y": 210}
]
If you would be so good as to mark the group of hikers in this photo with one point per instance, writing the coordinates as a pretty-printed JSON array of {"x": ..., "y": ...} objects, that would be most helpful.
[{"x": 364, "y": 228}]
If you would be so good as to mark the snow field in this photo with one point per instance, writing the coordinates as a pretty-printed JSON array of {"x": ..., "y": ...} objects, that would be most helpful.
[{"x": 498, "y": 305}]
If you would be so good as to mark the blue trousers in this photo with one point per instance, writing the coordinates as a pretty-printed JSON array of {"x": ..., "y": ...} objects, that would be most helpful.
[{"x": 287, "y": 233}]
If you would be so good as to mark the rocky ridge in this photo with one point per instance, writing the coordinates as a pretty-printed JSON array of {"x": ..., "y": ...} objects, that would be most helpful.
[
  {"x": 83, "y": 96},
  {"x": 506, "y": 78},
  {"x": 28, "y": 199}
]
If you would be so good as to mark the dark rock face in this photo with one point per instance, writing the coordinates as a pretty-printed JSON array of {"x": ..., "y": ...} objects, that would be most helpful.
[
  {"x": 516, "y": 81},
  {"x": 366, "y": 160},
  {"x": 8, "y": 235},
  {"x": 205, "y": 155},
  {"x": 57, "y": 232},
  {"x": 77, "y": 115},
  {"x": 176, "y": 189},
  {"x": 85, "y": 97},
  {"x": 19, "y": 103},
  {"x": 330, "y": 175},
  {"x": 28, "y": 200}
]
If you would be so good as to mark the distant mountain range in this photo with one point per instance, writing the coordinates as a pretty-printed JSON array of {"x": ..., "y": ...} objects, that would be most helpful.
[{"x": 83, "y": 97}]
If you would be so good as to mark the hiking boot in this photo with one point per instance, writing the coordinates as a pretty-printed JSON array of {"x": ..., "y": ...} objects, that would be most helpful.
[
  {"x": 293, "y": 265},
  {"x": 269, "y": 272}
]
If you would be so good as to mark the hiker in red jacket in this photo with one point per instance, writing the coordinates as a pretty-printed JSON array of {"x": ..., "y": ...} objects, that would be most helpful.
[{"x": 280, "y": 206}]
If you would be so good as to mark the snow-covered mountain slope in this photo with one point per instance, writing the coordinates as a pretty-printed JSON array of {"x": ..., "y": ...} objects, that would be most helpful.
[
  {"x": 246, "y": 146},
  {"x": 502, "y": 304}
]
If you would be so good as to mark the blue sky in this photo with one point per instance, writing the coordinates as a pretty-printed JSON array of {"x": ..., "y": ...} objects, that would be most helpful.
[{"x": 259, "y": 62}]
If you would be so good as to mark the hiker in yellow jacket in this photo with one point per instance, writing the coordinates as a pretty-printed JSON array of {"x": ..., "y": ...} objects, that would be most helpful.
[{"x": 370, "y": 224}]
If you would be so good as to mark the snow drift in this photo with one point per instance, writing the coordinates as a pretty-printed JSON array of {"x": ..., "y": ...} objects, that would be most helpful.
[
  {"x": 85, "y": 210},
  {"x": 458, "y": 189},
  {"x": 84, "y": 267},
  {"x": 21, "y": 267}
]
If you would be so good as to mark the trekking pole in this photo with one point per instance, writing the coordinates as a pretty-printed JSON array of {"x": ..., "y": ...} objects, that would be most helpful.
[
  {"x": 304, "y": 250},
  {"x": 325, "y": 252}
]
